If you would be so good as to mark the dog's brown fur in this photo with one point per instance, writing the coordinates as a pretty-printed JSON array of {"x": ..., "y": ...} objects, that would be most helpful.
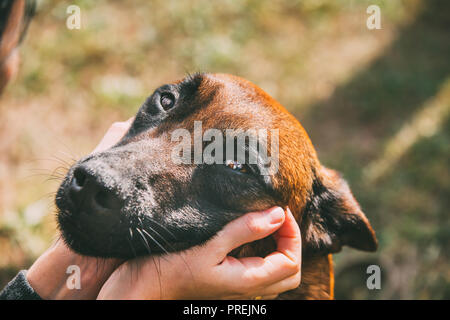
[{"x": 296, "y": 178}]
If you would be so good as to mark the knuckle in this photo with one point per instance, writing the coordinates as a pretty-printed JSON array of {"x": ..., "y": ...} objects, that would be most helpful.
[
  {"x": 296, "y": 267},
  {"x": 295, "y": 281},
  {"x": 250, "y": 282},
  {"x": 292, "y": 266},
  {"x": 253, "y": 225},
  {"x": 298, "y": 279},
  {"x": 247, "y": 281}
]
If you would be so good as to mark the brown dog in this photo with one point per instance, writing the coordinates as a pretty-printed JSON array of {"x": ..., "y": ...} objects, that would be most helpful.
[{"x": 147, "y": 203}]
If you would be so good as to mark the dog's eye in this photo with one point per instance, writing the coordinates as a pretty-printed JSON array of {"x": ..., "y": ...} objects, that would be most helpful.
[
  {"x": 167, "y": 100},
  {"x": 236, "y": 166}
]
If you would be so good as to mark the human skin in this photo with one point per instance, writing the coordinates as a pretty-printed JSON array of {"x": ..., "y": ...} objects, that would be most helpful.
[
  {"x": 207, "y": 272},
  {"x": 202, "y": 272}
]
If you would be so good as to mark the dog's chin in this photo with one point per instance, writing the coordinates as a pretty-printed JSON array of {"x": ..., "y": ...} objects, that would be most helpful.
[
  {"x": 118, "y": 244},
  {"x": 122, "y": 250},
  {"x": 93, "y": 246}
]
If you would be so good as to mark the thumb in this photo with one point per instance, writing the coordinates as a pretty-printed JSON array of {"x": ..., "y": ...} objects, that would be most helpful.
[
  {"x": 250, "y": 227},
  {"x": 114, "y": 134}
]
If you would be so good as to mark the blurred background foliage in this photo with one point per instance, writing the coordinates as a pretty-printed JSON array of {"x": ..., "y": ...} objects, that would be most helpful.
[{"x": 375, "y": 103}]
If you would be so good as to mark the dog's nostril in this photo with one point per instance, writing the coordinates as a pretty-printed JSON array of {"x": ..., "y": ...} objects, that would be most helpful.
[
  {"x": 102, "y": 199},
  {"x": 79, "y": 177},
  {"x": 107, "y": 200},
  {"x": 90, "y": 195}
]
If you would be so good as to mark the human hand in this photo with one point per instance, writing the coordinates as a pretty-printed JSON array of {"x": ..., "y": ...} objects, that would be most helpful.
[
  {"x": 48, "y": 276},
  {"x": 206, "y": 272},
  {"x": 115, "y": 132}
]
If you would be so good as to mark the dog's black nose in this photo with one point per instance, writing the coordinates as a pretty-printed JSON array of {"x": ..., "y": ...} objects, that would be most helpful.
[{"x": 90, "y": 195}]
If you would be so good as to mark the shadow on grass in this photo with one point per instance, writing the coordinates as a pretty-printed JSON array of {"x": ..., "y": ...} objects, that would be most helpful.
[
  {"x": 377, "y": 101},
  {"x": 351, "y": 128}
]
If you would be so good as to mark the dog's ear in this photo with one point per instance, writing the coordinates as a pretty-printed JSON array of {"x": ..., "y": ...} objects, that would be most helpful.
[{"x": 332, "y": 218}]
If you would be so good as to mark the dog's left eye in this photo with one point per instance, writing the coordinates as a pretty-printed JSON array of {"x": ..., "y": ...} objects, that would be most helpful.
[
  {"x": 167, "y": 100},
  {"x": 236, "y": 166}
]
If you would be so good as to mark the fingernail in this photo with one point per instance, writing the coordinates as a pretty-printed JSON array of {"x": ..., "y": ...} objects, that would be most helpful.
[{"x": 276, "y": 215}]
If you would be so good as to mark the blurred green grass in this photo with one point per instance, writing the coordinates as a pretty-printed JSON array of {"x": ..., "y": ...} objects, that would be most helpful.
[{"x": 353, "y": 89}]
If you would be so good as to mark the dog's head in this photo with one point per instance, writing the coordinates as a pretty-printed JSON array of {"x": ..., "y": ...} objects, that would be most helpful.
[{"x": 172, "y": 182}]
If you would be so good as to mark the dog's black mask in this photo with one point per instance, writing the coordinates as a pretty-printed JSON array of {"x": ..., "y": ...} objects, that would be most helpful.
[{"x": 133, "y": 200}]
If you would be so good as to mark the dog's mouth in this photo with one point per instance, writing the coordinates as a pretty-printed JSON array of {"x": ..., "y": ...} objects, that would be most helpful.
[{"x": 125, "y": 240}]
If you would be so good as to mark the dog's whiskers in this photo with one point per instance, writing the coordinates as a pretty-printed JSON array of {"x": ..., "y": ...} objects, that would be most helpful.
[
  {"x": 163, "y": 227},
  {"x": 159, "y": 235},
  {"x": 130, "y": 241},
  {"x": 155, "y": 241},
  {"x": 158, "y": 271},
  {"x": 62, "y": 161},
  {"x": 171, "y": 247},
  {"x": 144, "y": 239},
  {"x": 153, "y": 230},
  {"x": 130, "y": 231},
  {"x": 152, "y": 238}
]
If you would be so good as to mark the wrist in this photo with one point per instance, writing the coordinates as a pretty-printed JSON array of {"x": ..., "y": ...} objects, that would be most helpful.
[{"x": 49, "y": 275}]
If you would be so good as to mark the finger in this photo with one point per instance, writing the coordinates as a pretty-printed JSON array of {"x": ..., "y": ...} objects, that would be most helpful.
[
  {"x": 130, "y": 121},
  {"x": 286, "y": 261},
  {"x": 281, "y": 264},
  {"x": 248, "y": 228},
  {"x": 115, "y": 132},
  {"x": 254, "y": 272},
  {"x": 284, "y": 285},
  {"x": 288, "y": 238}
]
